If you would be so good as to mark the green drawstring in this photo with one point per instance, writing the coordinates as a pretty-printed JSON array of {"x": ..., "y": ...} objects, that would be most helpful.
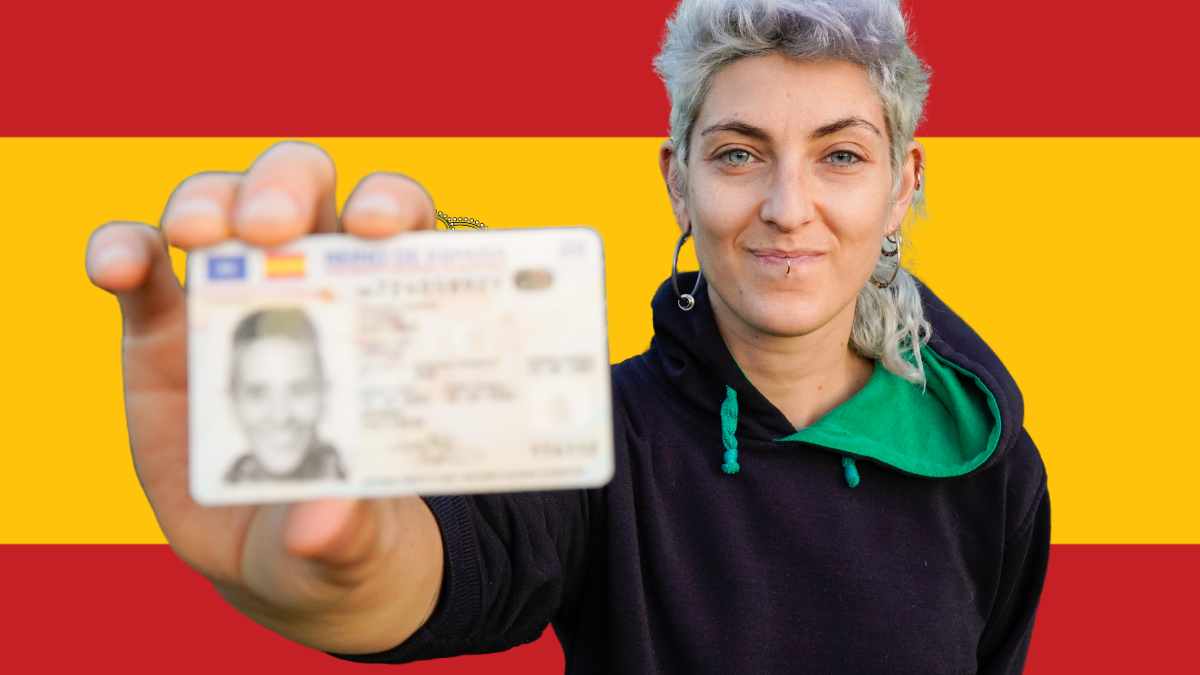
[
  {"x": 729, "y": 420},
  {"x": 851, "y": 471},
  {"x": 729, "y": 417}
]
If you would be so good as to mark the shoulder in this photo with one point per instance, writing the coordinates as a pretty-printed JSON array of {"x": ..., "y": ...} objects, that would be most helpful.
[
  {"x": 1012, "y": 485},
  {"x": 1026, "y": 486}
]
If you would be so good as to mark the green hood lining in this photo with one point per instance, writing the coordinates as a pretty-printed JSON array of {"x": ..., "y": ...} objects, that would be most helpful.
[{"x": 948, "y": 430}]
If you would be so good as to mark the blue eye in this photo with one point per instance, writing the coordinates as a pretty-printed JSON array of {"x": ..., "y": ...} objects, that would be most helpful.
[
  {"x": 844, "y": 157},
  {"x": 728, "y": 156}
]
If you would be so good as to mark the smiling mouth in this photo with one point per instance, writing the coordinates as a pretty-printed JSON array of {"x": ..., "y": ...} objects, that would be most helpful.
[
  {"x": 784, "y": 258},
  {"x": 778, "y": 262},
  {"x": 781, "y": 258}
]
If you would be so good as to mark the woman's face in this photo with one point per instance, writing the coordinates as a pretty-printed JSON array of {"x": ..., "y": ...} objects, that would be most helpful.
[
  {"x": 788, "y": 164},
  {"x": 278, "y": 395}
]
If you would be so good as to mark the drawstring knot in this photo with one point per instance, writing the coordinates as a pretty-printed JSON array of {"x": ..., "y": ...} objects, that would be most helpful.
[
  {"x": 851, "y": 471},
  {"x": 729, "y": 418}
]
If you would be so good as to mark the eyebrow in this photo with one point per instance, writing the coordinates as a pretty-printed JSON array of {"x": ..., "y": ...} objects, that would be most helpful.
[
  {"x": 844, "y": 123},
  {"x": 758, "y": 133}
]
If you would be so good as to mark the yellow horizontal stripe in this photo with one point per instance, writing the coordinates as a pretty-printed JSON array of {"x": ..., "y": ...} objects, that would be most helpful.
[
  {"x": 291, "y": 267},
  {"x": 1072, "y": 257}
]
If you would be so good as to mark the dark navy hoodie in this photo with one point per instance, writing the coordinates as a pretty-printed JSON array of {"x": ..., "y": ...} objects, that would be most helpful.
[{"x": 906, "y": 531}]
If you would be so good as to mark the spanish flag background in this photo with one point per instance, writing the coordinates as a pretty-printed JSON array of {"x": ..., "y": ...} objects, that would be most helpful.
[{"x": 1062, "y": 179}]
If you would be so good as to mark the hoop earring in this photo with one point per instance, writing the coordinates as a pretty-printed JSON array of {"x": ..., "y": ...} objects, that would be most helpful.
[
  {"x": 894, "y": 252},
  {"x": 686, "y": 301}
]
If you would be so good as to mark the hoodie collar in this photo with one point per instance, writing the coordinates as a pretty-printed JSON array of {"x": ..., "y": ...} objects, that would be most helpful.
[{"x": 965, "y": 416}]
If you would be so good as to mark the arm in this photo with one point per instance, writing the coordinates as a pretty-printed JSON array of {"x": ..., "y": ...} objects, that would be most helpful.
[
  {"x": 1005, "y": 641},
  {"x": 334, "y": 574}
]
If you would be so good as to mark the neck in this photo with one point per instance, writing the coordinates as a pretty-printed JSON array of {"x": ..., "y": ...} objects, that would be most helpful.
[{"x": 804, "y": 376}]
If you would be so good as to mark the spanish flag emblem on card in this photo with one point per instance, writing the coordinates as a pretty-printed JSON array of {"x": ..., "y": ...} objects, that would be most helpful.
[{"x": 284, "y": 265}]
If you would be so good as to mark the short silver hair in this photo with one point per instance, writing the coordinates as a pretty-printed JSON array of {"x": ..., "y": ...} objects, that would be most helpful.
[{"x": 703, "y": 36}]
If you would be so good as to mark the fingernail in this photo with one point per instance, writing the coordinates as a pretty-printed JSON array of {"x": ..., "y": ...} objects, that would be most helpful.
[
  {"x": 197, "y": 208},
  {"x": 110, "y": 255},
  {"x": 378, "y": 204},
  {"x": 270, "y": 206}
]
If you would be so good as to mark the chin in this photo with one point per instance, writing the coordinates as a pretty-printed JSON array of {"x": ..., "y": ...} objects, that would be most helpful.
[
  {"x": 782, "y": 328},
  {"x": 787, "y": 318},
  {"x": 280, "y": 463}
]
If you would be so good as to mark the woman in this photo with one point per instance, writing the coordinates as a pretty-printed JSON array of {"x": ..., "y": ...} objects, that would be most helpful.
[
  {"x": 278, "y": 389},
  {"x": 819, "y": 466}
]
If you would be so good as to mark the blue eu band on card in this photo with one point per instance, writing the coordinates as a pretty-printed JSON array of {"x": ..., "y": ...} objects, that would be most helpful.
[{"x": 227, "y": 268}]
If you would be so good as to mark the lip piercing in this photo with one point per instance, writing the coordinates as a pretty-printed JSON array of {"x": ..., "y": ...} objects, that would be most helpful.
[{"x": 789, "y": 269}]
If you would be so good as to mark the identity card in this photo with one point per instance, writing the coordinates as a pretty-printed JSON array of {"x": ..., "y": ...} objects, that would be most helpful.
[{"x": 433, "y": 362}]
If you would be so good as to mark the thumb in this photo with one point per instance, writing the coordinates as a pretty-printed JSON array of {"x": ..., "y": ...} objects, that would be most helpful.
[
  {"x": 338, "y": 533},
  {"x": 130, "y": 260}
]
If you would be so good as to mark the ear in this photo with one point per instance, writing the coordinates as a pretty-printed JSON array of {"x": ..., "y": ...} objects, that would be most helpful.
[
  {"x": 912, "y": 171},
  {"x": 670, "y": 173}
]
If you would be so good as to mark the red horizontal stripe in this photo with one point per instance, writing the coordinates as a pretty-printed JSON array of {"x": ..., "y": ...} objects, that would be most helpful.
[
  {"x": 1106, "y": 609},
  {"x": 544, "y": 68}
]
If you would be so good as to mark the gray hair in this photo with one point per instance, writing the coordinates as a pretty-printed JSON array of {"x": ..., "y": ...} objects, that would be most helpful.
[{"x": 705, "y": 35}]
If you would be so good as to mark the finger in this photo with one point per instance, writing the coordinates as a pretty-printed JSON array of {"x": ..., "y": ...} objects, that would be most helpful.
[
  {"x": 335, "y": 532},
  {"x": 384, "y": 204},
  {"x": 287, "y": 193},
  {"x": 130, "y": 260},
  {"x": 198, "y": 212}
]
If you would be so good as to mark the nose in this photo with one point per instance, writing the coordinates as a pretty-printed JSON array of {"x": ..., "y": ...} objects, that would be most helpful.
[
  {"x": 788, "y": 203},
  {"x": 280, "y": 409}
]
